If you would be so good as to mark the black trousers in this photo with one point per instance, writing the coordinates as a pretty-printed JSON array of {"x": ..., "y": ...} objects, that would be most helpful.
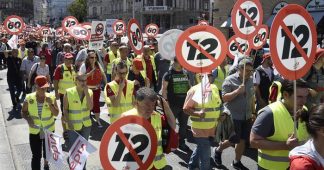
[
  {"x": 182, "y": 120},
  {"x": 37, "y": 146},
  {"x": 15, "y": 88}
]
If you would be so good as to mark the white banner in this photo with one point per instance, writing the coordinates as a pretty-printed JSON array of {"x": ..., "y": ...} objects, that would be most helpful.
[
  {"x": 53, "y": 147},
  {"x": 13, "y": 41},
  {"x": 79, "y": 153},
  {"x": 97, "y": 35}
]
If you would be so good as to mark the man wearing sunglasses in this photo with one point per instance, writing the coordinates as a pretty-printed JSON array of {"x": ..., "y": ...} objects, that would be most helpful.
[
  {"x": 26, "y": 66},
  {"x": 119, "y": 93}
]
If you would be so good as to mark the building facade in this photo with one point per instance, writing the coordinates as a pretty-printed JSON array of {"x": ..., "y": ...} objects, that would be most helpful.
[
  {"x": 22, "y": 8},
  {"x": 167, "y": 14},
  {"x": 57, "y": 10}
]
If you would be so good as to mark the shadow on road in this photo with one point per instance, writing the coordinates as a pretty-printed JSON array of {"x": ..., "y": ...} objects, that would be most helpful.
[{"x": 97, "y": 133}]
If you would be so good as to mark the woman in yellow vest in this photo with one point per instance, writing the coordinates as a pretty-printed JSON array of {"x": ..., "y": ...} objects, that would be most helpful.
[
  {"x": 273, "y": 130},
  {"x": 39, "y": 109},
  {"x": 145, "y": 102},
  {"x": 78, "y": 102}
]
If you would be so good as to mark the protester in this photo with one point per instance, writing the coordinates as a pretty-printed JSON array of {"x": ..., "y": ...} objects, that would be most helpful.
[
  {"x": 112, "y": 54},
  {"x": 3, "y": 48},
  {"x": 123, "y": 51},
  {"x": 149, "y": 67},
  {"x": 135, "y": 75},
  {"x": 119, "y": 93},
  {"x": 203, "y": 118},
  {"x": 162, "y": 66},
  {"x": 22, "y": 51},
  {"x": 310, "y": 156},
  {"x": 238, "y": 97},
  {"x": 13, "y": 76},
  {"x": 174, "y": 89},
  {"x": 262, "y": 80},
  {"x": 95, "y": 74},
  {"x": 38, "y": 69},
  {"x": 145, "y": 102},
  {"x": 26, "y": 66},
  {"x": 45, "y": 51},
  {"x": 273, "y": 130},
  {"x": 39, "y": 109},
  {"x": 67, "y": 48}
]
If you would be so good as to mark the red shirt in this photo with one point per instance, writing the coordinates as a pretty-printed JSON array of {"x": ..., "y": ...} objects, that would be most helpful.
[
  {"x": 111, "y": 93},
  {"x": 48, "y": 55},
  {"x": 149, "y": 69},
  {"x": 58, "y": 72},
  {"x": 106, "y": 58},
  {"x": 95, "y": 79}
]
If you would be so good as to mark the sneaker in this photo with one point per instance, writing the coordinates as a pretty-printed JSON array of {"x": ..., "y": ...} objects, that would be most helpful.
[
  {"x": 184, "y": 147},
  {"x": 238, "y": 165},
  {"x": 218, "y": 158}
]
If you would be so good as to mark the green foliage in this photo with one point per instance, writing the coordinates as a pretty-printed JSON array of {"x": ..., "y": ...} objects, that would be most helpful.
[{"x": 78, "y": 9}]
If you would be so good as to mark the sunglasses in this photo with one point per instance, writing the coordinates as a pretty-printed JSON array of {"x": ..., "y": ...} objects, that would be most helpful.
[{"x": 92, "y": 57}]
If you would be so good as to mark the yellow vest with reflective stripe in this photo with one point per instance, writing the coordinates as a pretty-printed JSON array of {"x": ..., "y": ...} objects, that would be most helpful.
[
  {"x": 278, "y": 84},
  {"x": 79, "y": 114},
  {"x": 46, "y": 121},
  {"x": 220, "y": 77},
  {"x": 125, "y": 100},
  {"x": 67, "y": 81},
  {"x": 143, "y": 72},
  {"x": 112, "y": 57},
  {"x": 283, "y": 128},
  {"x": 25, "y": 53},
  {"x": 159, "y": 160},
  {"x": 212, "y": 110}
]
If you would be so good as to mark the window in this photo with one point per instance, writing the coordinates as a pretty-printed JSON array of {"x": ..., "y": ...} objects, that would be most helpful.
[
  {"x": 191, "y": 4},
  {"x": 94, "y": 11},
  {"x": 206, "y": 5},
  {"x": 159, "y": 2}
]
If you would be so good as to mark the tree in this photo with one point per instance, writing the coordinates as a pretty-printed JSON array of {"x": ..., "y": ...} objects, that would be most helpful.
[{"x": 78, "y": 9}]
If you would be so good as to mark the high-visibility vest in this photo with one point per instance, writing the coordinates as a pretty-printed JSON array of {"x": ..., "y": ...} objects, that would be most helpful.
[
  {"x": 159, "y": 160},
  {"x": 112, "y": 57},
  {"x": 283, "y": 128},
  {"x": 46, "y": 120},
  {"x": 25, "y": 53},
  {"x": 220, "y": 77},
  {"x": 212, "y": 110},
  {"x": 143, "y": 72},
  {"x": 278, "y": 84},
  {"x": 125, "y": 100},
  {"x": 68, "y": 79},
  {"x": 79, "y": 113}
]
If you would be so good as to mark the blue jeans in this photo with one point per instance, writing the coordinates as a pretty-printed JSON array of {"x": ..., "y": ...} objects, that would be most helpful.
[
  {"x": 108, "y": 76},
  {"x": 200, "y": 157}
]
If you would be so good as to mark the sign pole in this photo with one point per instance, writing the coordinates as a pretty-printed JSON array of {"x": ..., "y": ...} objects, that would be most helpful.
[
  {"x": 133, "y": 8},
  {"x": 295, "y": 109}
]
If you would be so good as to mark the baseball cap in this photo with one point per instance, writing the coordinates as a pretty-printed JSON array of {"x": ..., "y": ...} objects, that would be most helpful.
[
  {"x": 41, "y": 82},
  {"x": 68, "y": 55},
  {"x": 137, "y": 63}
]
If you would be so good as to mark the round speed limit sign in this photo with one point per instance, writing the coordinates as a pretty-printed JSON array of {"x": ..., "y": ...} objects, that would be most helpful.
[
  {"x": 247, "y": 16},
  {"x": 201, "y": 48},
  {"x": 14, "y": 24},
  {"x": 293, "y": 41},
  {"x": 135, "y": 36},
  {"x": 119, "y": 27},
  {"x": 238, "y": 47},
  {"x": 69, "y": 22},
  {"x": 260, "y": 38},
  {"x": 168, "y": 42},
  {"x": 79, "y": 32},
  {"x": 45, "y": 31},
  {"x": 152, "y": 30}
]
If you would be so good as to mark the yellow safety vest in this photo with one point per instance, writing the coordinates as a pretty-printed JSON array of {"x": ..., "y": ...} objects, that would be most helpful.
[
  {"x": 46, "y": 120},
  {"x": 212, "y": 110},
  {"x": 79, "y": 114},
  {"x": 143, "y": 72},
  {"x": 112, "y": 57},
  {"x": 278, "y": 84},
  {"x": 283, "y": 128},
  {"x": 25, "y": 53},
  {"x": 125, "y": 100},
  {"x": 159, "y": 160},
  {"x": 220, "y": 77},
  {"x": 68, "y": 79}
]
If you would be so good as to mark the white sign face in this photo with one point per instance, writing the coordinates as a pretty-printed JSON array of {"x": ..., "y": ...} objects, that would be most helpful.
[
  {"x": 79, "y": 32},
  {"x": 151, "y": 30},
  {"x": 97, "y": 35},
  {"x": 118, "y": 153},
  {"x": 135, "y": 36},
  {"x": 45, "y": 32},
  {"x": 247, "y": 17},
  {"x": 238, "y": 46},
  {"x": 168, "y": 42},
  {"x": 290, "y": 55},
  {"x": 119, "y": 27}
]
